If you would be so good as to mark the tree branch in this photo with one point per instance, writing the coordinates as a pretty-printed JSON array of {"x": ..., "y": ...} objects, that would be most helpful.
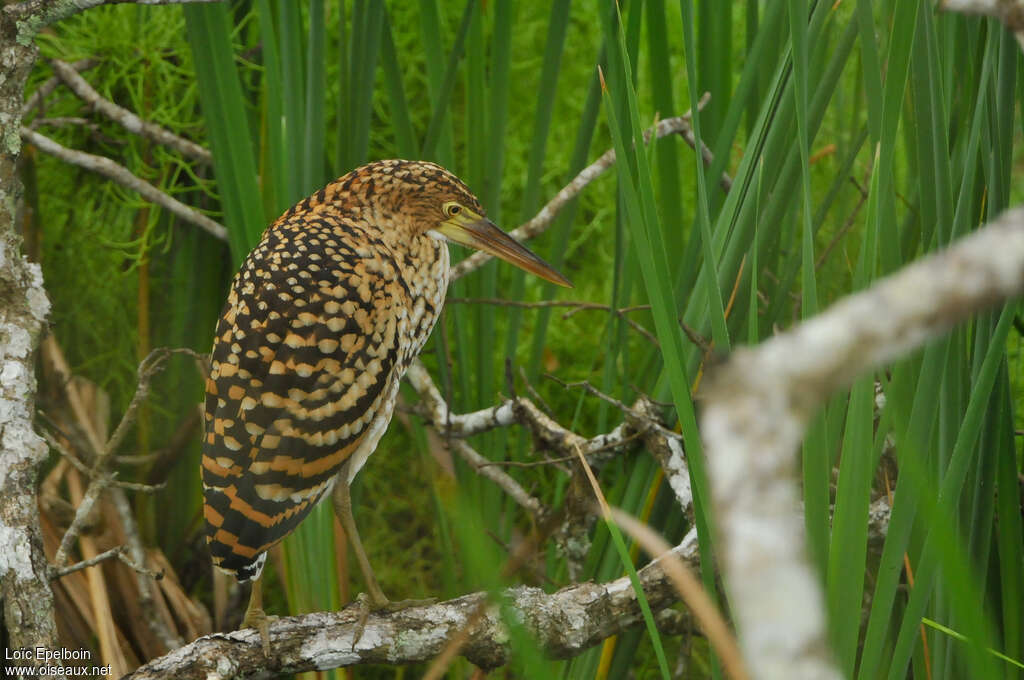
[
  {"x": 123, "y": 176},
  {"x": 758, "y": 404},
  {"x": 31, "y": 16},
  {"x": 40, "y": 94},
  {"x": 564, "y": 623},
  {"x": 131, "y": 122},
  {"x": 27, "y": 599}
]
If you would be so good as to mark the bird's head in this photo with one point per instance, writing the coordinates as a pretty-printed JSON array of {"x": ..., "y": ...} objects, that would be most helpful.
[{"x": 424, "y": 199}]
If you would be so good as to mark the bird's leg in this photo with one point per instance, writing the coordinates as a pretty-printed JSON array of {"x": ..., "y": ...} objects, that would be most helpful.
[
  {"x": 343, "y": 509},
  {"x": 255, "y": 617},
  {"x": 377, "y": 600}
]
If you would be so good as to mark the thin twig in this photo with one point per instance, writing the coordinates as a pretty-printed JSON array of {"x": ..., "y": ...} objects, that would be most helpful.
[
  {"x": 534, "y": 394},
  {"x": 510, "y": 486},
  {"x": 47, "y": 87},
  {"x": 100, "y": 479},
  {"x": 543, "y": 219},
  {"x": 847, "y": 225},
  {"x": 63, "y": 121},
  {"x": 145, "y": 579},
  {"x": 625, "y": 408},
  {"x": 574, "y": 307},
  {"x": 123, "y": 176},
  {"x": 89, "y": 472},
  {"x": 56, "y": 573},
  {"x": 590, "y": 451},
  {"x": 131, "y": 122}
]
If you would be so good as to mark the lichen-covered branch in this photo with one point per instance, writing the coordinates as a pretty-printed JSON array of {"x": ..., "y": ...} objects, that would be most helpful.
[
  {"x": 757, "y": 406},
  {"x": 24, "y": 576},
  {"x": 32, "y": 16},
  {"x": 564, "y": 623}
]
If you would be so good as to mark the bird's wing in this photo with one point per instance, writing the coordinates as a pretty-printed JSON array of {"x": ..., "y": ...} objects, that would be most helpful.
[{"x": 302, "y": 364}]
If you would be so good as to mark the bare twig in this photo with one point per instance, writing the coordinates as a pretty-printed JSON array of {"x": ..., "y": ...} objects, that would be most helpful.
[
  {"x": 131, "y": 122},
  {"x": 847, "y": 225},
  {"x": 62, "y": 121},
  {"x": 117, "y": 552},
  {"x": 100, "y": 477},
  {"x": 63, "y": 450},
  {"x": 520, "y": 411},
  {"x": 625, "y": 408},
  {"x": 618, "y": 442},
  {"x": 543, "y": 219},
  {"x": 78, "y": 566},
  {"x": 123, "y": 176},
  {"x": 573, "y": 306},
  {"x": 145, "y": 579},
  {"x": 37, "y": 98},
  {"x": 510, "y": 486}
]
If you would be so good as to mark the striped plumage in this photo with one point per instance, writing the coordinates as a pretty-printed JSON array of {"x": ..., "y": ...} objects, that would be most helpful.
[
  {"x": 321, "y": 322},
  {"x": 320, "y": 325}
]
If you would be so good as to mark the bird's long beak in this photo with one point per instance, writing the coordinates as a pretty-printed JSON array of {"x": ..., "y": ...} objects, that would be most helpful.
[{"x": 482, "y": 234}]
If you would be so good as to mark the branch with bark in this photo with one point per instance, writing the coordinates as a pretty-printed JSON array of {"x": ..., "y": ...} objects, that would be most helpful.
[
  {"x": 32, "y": 16},
  {"x": 757, "y": 407},
  {"x": 123, "y": 176},
  {"x": 24, "y": 575},
  {"x": 564, "y": 624},
  {"x": 128, "y": 120}
]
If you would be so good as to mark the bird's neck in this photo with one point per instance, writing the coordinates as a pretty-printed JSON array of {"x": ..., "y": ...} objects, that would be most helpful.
[{"x": 433, "y": 269}]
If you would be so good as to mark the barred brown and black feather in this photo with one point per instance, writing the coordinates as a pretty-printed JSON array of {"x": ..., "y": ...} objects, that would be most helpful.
[{"x": 320, "y": 324}]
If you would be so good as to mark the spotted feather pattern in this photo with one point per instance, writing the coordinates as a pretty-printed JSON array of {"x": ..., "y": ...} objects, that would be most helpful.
[{"x": 320, "y": 324}]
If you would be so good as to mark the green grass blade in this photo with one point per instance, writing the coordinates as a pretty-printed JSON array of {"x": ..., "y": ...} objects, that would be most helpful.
[
  {"x": 363, "y": 65},
  {"x": 293, "y": 97},
  {"x": 314, "y": 158},
  {"x": 719, "y": 332},
  {"x": 209, "y": 34},
  {"x": 953, "y": 480},
  {"x": 401, "y": 121},
  {"x": 636, "y": 189},
  {"x": 442, "y": 98}
]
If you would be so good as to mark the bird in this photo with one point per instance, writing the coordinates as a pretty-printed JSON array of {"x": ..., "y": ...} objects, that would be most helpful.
[{"x": 321, "y": 322}]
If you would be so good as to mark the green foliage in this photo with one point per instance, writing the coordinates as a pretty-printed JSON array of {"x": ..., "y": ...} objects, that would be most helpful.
[{"x": 858, "y": 136}]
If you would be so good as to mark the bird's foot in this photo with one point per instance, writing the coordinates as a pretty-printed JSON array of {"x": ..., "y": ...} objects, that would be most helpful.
[
  {"x": 368, "y": 604},
  {"x": 258, "y": 619}
]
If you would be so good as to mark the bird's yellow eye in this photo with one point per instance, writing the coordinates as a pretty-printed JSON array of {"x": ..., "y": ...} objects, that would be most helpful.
[{"x": 452, "y": 209}]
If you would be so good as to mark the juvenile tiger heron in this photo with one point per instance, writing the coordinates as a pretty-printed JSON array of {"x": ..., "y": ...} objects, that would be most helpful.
[{"x": 321, "y": 322}]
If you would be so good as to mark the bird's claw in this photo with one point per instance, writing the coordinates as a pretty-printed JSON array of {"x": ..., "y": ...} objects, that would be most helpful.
[
  {"x": 258, "y": 619},
  {"x": 367, "y": 605}
]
